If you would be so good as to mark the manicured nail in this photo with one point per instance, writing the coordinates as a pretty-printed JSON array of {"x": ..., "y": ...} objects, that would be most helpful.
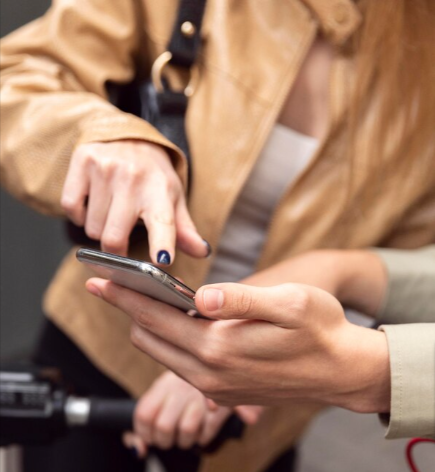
[
  {"x": 94, "y": 290},
  {"x": 208, "y": 247},
  {"x": 163, "y": 257},
  {"x": 213, "y": 299}
]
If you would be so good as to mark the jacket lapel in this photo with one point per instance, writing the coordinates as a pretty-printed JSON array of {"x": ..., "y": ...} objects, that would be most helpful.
[{"x": 251, "y": 56}]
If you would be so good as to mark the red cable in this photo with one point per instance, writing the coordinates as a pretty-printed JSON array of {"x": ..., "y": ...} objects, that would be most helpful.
[{"x": 409, "y": 449}]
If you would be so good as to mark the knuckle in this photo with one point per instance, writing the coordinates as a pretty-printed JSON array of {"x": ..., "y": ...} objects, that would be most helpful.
[
  {"x": 167, "y": 184},
  {"x": 209, "y": 385},
  {"x": 164, "y": 428},
  {"x": 299, "y": 300},
  {"x": 106, "y": 167},
  {"x": 214, "y": 349},
  {"x": 142, "y": 318},
  {"x": 143, "y": 416},
  {"x": 131, "y": 171},
  {"x": 211, "y": 356},
  {"x": 242, "y": 303},
  {"x": 173, "y": 185},
  {"x": 163, "y": 217}
]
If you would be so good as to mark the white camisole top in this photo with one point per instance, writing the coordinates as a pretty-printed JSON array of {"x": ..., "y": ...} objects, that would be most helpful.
[{"x": 284, "y": 157}]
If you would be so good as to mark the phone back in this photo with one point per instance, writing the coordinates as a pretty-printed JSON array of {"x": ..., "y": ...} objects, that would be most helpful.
[{"x": 139, "y": 276}]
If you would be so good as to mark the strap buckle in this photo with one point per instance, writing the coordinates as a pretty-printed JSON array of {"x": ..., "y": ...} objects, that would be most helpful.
[{"x": 157, "y": 73}]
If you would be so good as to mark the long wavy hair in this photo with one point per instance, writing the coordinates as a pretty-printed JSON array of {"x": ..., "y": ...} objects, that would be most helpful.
[{"x": 393, "y": 96}]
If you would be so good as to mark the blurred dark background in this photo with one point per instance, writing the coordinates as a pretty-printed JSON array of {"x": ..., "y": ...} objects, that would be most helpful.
[{"x": 31, "y": 245}]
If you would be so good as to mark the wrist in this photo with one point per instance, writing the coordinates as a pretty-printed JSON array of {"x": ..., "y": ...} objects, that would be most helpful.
[
  {"x": 362, "y": 281},
  {"x": 364, "y": 371}
]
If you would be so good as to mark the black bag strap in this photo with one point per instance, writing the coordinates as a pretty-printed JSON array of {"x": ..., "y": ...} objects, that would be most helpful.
[
  {"x": 162, "y": 107},
  {"x": 186, "y": 35}
]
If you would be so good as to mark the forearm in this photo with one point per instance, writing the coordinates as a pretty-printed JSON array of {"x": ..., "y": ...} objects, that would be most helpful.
[
  {"x": 411, "y": 285},
  {"x": 356, "y": 277}
]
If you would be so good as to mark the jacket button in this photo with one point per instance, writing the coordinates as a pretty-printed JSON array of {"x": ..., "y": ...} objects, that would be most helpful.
[{"x": 341, "y": 14}]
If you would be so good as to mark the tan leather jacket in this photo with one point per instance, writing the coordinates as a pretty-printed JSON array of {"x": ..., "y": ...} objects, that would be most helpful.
[{"x": 53, "y": 98}]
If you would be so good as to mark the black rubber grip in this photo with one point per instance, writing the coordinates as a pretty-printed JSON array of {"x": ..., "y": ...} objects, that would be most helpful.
[
  {"x": 111, "y": 415},
  {"x": 117, "y": 415}
]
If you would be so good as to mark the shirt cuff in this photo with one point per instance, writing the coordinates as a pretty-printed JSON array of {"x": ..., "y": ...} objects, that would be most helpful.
[
  {"x": 412, "y": 364},
  {"x": 410, "y": 296}
]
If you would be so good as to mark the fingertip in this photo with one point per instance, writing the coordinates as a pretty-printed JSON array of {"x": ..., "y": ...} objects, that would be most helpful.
[
  {"x": 251, "y": 419},
  {"x": 93, "y": 290},
  {"x": 213, "y": 299},
  {"x": 97, "y": 286},
  {"x": 248, "y": 415},
  {"x": 208, "y": 249},
  {"x": 135, "y": 444},
  {"x": 191, "y": 243},
  {"x": 199, "y": 300},
  {"x": 163, "y": 257},
  {"x": 211, "y": 404}
]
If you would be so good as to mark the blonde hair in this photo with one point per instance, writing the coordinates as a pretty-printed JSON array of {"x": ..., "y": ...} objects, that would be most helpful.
[{"x": 394, "y": 95}]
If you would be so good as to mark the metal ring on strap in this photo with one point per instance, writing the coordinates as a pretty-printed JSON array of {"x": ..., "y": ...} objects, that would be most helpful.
[{"x": 157, "y": 72}]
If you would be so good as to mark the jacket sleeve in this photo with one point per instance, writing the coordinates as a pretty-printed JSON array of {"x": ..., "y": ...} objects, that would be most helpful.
[
  {"x": 412, "y": 363},
  {"x": 410, "y": 296},
  {"x": 53, "y": 94},
  {"x": 410, "y": 300}
]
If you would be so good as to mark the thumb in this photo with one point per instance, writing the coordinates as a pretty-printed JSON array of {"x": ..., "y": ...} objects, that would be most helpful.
[
  {"x": 249, "y": 414},
  {"x": 237, "y": 301}
]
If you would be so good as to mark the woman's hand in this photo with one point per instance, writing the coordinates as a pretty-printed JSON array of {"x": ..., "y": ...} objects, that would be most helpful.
[
  {"x": 174, "y": 413},
  {"x": 267, "y": 346},
  {"x": 109, "y": 186}
]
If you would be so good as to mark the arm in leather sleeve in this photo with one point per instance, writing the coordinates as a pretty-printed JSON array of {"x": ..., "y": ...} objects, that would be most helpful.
[
  {"x": 53, "y": 96},
  {"x": 412, "y": 361},
  {"x": 410, "y": 296}
]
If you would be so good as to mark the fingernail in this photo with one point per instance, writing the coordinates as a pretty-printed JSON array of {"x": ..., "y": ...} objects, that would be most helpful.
[
  {"x": 213, "y": 299},
  {"x": 208, "y": 247},
  {"x": 163, "y": 257},
  {"x": 94, "y": 290}
]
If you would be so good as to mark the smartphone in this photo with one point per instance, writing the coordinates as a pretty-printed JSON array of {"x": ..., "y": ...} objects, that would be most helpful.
[{"x": 140, "y": 276}]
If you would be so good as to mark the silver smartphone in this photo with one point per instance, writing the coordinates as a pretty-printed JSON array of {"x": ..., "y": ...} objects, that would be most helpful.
[{"x": 140, "y": 276}]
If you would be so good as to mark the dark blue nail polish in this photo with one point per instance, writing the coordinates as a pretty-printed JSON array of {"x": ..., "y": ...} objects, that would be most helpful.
[
  {"x": 163, "y": 257},
  {"x": 208, "y": 247}
]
